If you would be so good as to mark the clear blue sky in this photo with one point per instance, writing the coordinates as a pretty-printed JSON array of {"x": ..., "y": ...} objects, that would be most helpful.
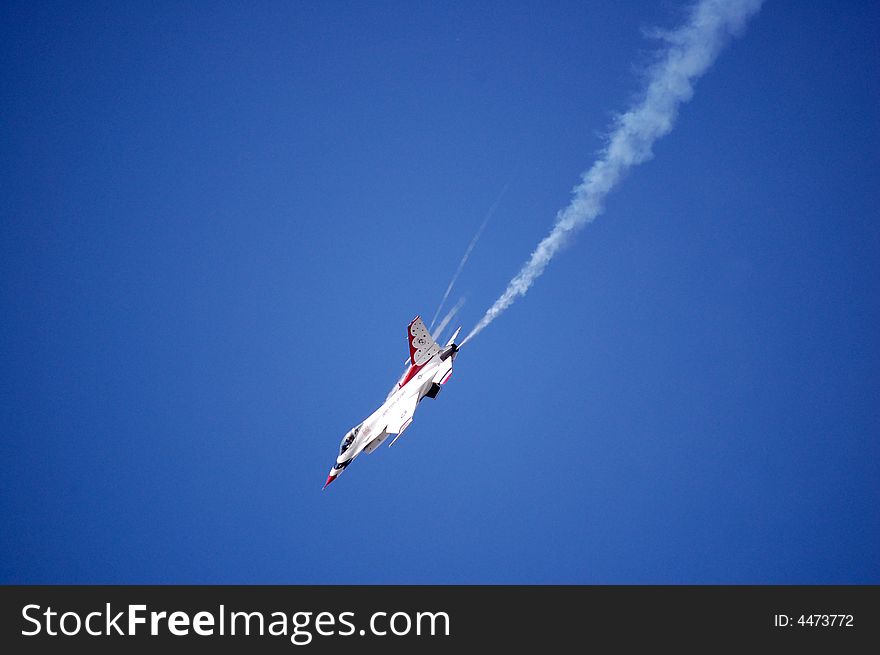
[{"x": 218, "y": 218}]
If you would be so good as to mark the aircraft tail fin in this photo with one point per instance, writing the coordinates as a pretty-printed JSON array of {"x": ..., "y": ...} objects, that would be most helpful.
[{"x": 421, "y": 346}]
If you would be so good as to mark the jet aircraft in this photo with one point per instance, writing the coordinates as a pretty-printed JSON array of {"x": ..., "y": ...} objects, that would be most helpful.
[{"x": 429, "y": 368}]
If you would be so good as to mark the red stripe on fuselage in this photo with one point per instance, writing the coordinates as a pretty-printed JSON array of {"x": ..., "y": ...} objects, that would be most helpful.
[{"x": 411, "y": 373}]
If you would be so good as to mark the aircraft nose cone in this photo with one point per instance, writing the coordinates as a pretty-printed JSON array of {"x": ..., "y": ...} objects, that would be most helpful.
[{"x": 330, "y": 478}]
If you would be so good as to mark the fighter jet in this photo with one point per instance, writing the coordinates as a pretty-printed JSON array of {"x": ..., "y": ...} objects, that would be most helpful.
[{"x": 429, "y": 368}]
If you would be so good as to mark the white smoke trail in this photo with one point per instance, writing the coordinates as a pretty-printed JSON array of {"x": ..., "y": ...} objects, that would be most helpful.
[
  {"x": 467, "y": 252},
  {"x": 449, "y": 316},
  {"x": 690, "y": 51}
]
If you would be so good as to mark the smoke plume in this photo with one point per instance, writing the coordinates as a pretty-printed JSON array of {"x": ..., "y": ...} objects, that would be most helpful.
[
  {"x": 689, "y": 52},
  {"x": 467, "y": 253}
]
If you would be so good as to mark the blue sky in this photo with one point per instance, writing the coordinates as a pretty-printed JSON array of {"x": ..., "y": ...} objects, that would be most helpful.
[{"x": 218, "y": 219}]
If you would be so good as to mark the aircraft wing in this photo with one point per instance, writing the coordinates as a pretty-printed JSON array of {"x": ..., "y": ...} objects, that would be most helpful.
[
  {"x": 421, "y": 346},
  {"x": 400, "y": 414}
]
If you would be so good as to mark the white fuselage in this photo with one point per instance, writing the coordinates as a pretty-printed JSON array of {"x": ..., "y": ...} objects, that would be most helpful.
[
  {"x": 396, "y": 406},
  {"x": 429, "y": 368}
]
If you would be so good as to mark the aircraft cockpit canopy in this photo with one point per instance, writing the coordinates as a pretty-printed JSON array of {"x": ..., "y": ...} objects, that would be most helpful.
[{"x": 348, "y": 439}]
